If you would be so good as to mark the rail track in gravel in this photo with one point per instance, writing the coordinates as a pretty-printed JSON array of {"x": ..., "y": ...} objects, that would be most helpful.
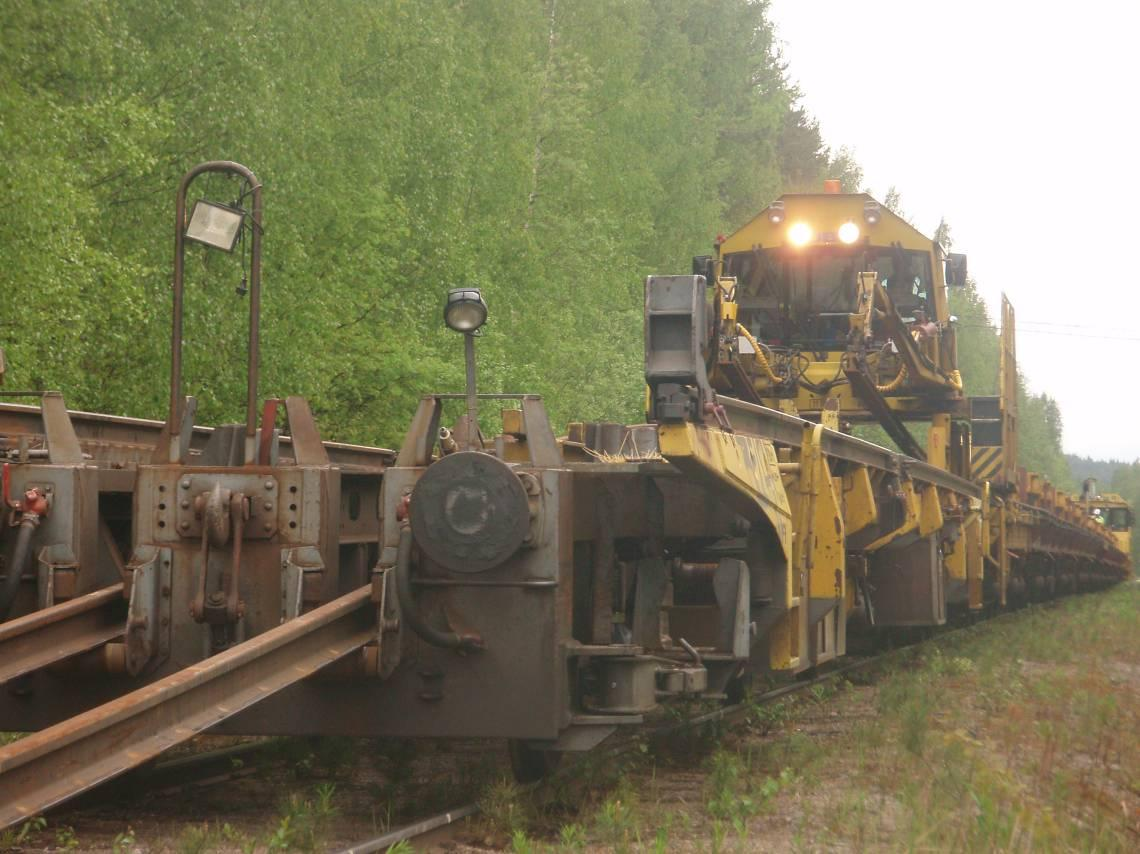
[
  {"x": 730, "y": 714},
  {"x": 236, "y": 764}
]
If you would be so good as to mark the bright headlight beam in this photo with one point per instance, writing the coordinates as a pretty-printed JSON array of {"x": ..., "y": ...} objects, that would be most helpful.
[
  {"x": 848, "y": 232},
  {"x": 800, "y": 234}
]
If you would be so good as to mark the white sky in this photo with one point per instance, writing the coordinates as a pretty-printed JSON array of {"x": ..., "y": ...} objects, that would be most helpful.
[{"x": 1018, "y": 122}]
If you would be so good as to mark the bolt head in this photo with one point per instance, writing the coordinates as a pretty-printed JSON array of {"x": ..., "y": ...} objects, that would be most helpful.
[
  {"x": 268, "y": 505},
  {"x": 186, "y": 483},
  {"x": 185, "y": 503},
  {"x": 269, "y": 484}
]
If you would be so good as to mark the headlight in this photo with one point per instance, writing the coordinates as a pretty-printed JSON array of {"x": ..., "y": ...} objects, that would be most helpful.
[
  {"x": 800, "y": 234},
  {"x": 848, "y": 232}
]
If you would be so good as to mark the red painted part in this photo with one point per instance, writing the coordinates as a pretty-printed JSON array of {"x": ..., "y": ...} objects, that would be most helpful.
[
  {"x": 34, "y": 499},
  {"x": 402, "y": 508},
  {"x": 268, "y": 424},
  {"x": 34, "y": 502}
]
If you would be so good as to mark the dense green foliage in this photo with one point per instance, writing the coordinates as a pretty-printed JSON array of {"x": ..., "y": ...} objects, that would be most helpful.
[{"x": 551, "y": 152}]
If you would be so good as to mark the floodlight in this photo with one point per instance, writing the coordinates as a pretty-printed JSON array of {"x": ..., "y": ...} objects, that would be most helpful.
[
  {"x": 465, "y": 310},
  {"x": 214, "y": 225}
]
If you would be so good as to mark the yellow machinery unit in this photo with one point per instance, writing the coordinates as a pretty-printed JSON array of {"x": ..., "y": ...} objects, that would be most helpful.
[
  {"x": 1110, "y": 511},
  {"x": 830, "y": 306}
]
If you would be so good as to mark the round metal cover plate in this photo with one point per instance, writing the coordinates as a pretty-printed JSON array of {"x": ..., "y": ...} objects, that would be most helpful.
[{"x": 469, "y": 512}]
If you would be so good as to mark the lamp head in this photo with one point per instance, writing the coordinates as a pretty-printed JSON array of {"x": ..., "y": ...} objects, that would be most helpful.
[
  {"x": 465, "y": 310},
  {"x": 214, "y": 225}
]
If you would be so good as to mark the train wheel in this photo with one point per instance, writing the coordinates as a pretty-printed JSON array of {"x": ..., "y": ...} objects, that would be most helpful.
[
  {"x": 738, "y": 689},
  {"x": 530, "y": 764}
]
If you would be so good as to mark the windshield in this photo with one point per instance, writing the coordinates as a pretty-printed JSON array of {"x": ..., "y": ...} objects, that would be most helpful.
[
  {"x": 804, "y": 297},
  {"x": 1118, "y": 518}
]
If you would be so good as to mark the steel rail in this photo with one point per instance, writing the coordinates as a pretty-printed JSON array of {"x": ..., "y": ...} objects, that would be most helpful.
[
  {"x": 43, "y": 637},
  {"x": 182, "y": 772},
  {"x": 784, "y": 429},
  {"x": 48, "y": 767},
  {"x": 401, "y": 834}
]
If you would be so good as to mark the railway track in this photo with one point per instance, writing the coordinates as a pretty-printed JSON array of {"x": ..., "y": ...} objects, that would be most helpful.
[
  {"x": 730, "y": 714},
  {"x": 734, "y": 713}
]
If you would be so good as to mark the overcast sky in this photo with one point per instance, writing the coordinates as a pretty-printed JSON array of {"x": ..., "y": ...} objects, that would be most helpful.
[{"x": 1018, "y": 122}]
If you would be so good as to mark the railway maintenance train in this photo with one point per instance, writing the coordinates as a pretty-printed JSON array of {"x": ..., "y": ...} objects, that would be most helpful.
[{"x": 163, "y": 579}]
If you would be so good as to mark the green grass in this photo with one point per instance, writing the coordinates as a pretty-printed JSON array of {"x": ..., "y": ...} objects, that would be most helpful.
[
  {"x": 1017, "y": 734},
  {"x": 304, "y": 821}
]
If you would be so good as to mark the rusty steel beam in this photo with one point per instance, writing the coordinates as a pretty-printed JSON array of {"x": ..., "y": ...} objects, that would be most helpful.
[
  {"x": 43, "y": 637},
  {"x": 48, "y": 767},
  {"x": 121, "y": 439}
]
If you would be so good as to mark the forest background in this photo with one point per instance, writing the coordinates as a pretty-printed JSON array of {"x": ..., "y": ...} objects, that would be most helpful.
[{"x": 551, "y": 152}]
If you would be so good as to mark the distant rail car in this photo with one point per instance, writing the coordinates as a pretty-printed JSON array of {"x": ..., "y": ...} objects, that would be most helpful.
[{"x": 541, "y": 588}]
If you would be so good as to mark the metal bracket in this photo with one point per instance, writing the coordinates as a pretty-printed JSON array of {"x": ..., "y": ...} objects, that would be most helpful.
[
  {"x": 382, "y": 659},
  {"x": 731, "y": 585},
  {"x": 50, "y": 560},
  {"x": 263, "y": 492},
  {"x": 295, "y": 564},
  {"x": 148, "y": 615}
]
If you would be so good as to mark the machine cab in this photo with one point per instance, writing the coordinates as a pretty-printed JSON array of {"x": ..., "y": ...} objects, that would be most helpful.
[
  {"x": 1110, "y": 510},
  {"x": 815, "y": 277}
]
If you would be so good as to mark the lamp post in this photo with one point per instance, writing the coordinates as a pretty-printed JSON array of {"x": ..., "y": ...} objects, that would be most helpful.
[
  {"x": 217, "y": 226},
  {"x": 466, "y": 312}
]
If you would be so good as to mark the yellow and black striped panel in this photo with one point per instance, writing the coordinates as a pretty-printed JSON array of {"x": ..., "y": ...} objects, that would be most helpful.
[{"x": 986, "y": 462}]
